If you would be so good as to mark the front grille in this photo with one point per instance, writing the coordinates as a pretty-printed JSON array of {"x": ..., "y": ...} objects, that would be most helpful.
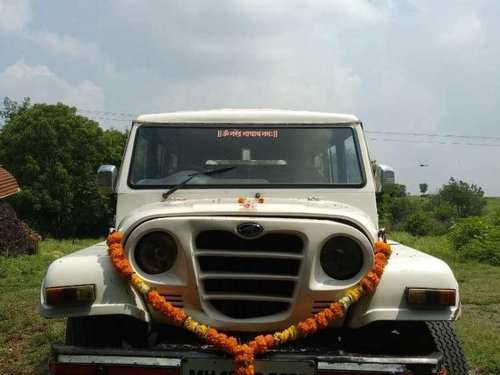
[
  {"x": 248, "y": 278},
  {"x": 224, "y": 240}
]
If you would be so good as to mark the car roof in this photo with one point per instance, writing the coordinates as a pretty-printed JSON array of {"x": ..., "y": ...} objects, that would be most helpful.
[{"x": 264, "y": 116}]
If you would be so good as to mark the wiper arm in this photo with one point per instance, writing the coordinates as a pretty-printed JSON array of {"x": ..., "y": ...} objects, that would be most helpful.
[{"x": 193, "y": 175}]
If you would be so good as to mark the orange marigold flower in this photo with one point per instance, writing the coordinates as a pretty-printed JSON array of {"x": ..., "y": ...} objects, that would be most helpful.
[
  {"x": 154, "y": 299},
  {"x": 241, "y": 200},
  {"x": 378, "y": 270},
  {"x": 379, "y": 257},
  {"x": 307, "y": 326},
  {"x": 244, "y": 370},
  {"x": 115, "y": 237},
  {"x": 382, "y": 247},
  {"x": 336, "y": 310},
  {"x": 178, "y": 316},
  {"x": 322, "y": 319},
  {"x": 115, "y": 249},
  {"x": 124, "y": 268},
  {"x": 243, "y": 354},
  {"x": 261, "y": 200},
  {"x": 373, "y": 278},
  {"x": 262, "y": 343},
  {"x": 367, "y": 285}
]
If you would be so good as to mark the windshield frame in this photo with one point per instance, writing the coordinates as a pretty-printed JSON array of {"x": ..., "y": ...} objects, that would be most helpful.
[{"x": 244, "y": 125}]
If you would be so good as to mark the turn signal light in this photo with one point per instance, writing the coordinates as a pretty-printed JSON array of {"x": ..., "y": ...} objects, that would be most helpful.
[
  {"x": 70, "y": 295},
  {"x": 431, "y": 297}
]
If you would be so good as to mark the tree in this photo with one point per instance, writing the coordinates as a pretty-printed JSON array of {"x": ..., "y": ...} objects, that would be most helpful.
[
  {"x": 423, "y": 188},
  {"x": 54, "y": 154},
  {"x": 12, "y": 108},
  {"x": 467, "y": 200}
]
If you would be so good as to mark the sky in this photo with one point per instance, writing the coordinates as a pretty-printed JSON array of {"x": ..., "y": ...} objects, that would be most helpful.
[{"x": 423, "y": 76}]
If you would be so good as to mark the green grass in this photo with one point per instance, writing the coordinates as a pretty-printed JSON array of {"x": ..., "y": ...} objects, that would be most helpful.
[
  {"x": 25, "y": 337},
  {"x": 492, "y": 205},
  {"x": 479, "y": 326}
]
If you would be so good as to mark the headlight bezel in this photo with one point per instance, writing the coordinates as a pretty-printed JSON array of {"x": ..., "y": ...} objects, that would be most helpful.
[
  {"x": 161, "y": 246},
  {"x": 357, "y": 264}
]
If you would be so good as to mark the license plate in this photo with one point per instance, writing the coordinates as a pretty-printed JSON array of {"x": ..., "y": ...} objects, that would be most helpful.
[{"x": 202, "y": 366}]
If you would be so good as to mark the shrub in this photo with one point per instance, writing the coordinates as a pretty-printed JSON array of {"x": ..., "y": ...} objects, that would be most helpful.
[
  {"x": 467, "y": 230},
  {"x": 419, "y": 223},
  {"x": 400, "y": 208},
  {"x": 476, "y": 239},
  {"x": 467, "y": 200},
  {"x": 444, "y": 212}
]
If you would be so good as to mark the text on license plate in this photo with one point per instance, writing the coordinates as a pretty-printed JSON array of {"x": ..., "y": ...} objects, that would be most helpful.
[{"x": 202, "y": 366}]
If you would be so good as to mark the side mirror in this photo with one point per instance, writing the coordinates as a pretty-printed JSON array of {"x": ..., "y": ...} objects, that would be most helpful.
[
  {"x": 384, "y": 177},
  {"x": 106, "y": 179}
]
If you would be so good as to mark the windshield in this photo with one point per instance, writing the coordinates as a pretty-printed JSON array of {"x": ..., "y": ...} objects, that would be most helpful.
[{"x": 263, "y": 155}]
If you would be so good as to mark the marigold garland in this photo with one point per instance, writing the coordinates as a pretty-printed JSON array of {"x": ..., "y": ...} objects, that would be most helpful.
[{"x": 244, "y": 354}]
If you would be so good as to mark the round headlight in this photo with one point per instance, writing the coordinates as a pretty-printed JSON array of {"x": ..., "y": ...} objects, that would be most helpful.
[
  {"x": 155, "y": 252},
  {"x": 341, "y": 258}
]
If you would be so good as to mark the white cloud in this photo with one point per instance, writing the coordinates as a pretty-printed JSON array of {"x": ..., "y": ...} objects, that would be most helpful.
[
  {"x": 65, "y": 46},
  {"x": 466, "y": 31},
  {"x": 41, "y": 85},
  {"x": 359, "y": 10},
  {"x": 288, "y": 89},
  {"x": 14, "y": 15},
  {"x": 85, "y": 95},
  {"x": 405, "y": 105}
]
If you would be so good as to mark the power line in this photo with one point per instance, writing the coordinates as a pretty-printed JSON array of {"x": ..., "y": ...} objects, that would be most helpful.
[
  {"x": 108, "y": 113},
  {"x": 435, "y": 142},
  {"x": 433, "y": 135},
  {"x": 108, "y": 118},
  {"x": 103, "y": 115}
]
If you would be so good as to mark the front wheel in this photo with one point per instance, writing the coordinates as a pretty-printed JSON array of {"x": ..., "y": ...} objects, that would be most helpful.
[
  {"x": 449, "y": 346},
  {"x": 106, "y": 331}
]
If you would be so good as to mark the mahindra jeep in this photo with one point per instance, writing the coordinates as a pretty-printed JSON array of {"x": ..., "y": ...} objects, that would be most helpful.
[{"x": 250, "y": 221}]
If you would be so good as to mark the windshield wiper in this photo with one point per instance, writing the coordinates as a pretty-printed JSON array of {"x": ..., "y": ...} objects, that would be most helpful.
[{"x": 193, "y": 175}]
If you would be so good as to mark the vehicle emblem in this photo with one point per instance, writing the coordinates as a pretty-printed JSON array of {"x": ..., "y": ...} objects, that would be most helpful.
[{"x": 250, "y": 229}]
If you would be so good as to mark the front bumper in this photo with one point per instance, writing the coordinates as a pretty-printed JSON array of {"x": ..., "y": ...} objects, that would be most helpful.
[{"x": 72, "y": 360}]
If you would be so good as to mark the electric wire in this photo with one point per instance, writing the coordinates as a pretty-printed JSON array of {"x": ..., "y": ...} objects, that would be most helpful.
[
  {"x": 436, "y": 142},
  {"x": 112, "y": 116},
  {"x": 431, "y": 135}
]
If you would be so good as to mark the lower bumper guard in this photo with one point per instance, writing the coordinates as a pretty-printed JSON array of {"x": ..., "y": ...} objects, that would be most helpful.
[{"x": 75, "y": 360}]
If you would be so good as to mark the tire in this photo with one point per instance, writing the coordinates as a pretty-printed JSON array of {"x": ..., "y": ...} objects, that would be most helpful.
[
  {"x": 106, "y": 331},
  {"x": 448, "y": 344}
]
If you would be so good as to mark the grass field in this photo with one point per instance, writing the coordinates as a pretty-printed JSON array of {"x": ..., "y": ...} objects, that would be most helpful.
[{"x": 25, "y": 337}]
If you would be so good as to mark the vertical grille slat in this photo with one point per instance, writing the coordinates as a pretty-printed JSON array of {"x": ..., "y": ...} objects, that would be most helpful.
[{"x": 208, "y": 243}]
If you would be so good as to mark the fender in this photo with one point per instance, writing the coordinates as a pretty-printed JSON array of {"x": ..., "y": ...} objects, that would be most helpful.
[
  {"x": 114, "y": 296},
  {"x": 407, "y": 267}
]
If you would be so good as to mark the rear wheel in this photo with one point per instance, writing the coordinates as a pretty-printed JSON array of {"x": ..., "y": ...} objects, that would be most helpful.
[{"x": 449, "y": 346}]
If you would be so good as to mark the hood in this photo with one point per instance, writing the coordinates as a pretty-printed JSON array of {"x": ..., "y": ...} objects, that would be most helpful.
[{"x": 253, "y": 207}]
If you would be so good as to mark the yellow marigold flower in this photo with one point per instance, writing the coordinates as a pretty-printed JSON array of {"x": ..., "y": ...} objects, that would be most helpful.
[{"x": 190, "y": 324}]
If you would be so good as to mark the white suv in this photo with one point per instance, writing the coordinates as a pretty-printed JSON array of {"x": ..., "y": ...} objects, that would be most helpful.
[{"x": 250, "y": 221}]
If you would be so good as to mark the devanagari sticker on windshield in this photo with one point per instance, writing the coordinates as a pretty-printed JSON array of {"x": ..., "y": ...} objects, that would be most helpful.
[{"x": 247, "y": 133}]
